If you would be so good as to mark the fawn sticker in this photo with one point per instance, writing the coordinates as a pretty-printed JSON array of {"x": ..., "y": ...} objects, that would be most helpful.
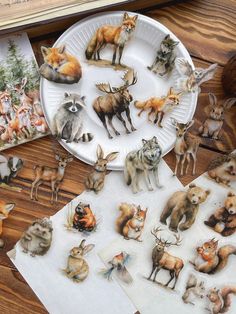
[
  {"x": 59, "y": 66},
  {"x": 118, "y": 264},
  {"x": 131, "y": 221},
  {"x": 117, "y": 36},
  {"x": 81, "y": 218},
  {"x": 77, "y": 268}
]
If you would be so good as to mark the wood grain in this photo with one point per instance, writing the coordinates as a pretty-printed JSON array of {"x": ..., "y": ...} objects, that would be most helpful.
[{"x": 207, "y": 29}]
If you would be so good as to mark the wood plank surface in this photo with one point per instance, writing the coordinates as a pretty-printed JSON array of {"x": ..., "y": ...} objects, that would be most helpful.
[{"x": 207, "y": 29}]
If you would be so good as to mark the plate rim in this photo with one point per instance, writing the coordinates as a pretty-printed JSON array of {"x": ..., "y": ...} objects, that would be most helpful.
[{"x": 155, "y": 23}]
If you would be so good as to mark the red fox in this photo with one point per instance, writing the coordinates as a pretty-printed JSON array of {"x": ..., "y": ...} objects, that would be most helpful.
[
  {"x": 210, "y": 260},
  {"x": 159, "y": 105},
  {"x": 59, "y": 66},
  {"x": 5, "y": 208},
  {"x": 131, "y": 221},
  {"x": 114, "y": 35}
]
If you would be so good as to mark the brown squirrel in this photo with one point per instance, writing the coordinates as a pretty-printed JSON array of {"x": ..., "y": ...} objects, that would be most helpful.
[
  {"x": 131, "y": 221},
  {"x": 210, "y": 260},
  {"x": 220, "y": 299}
]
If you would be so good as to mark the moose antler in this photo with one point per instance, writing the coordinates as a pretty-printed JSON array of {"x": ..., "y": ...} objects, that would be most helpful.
[
  {"x": 154, "y": 232},
  {"x": 106, "y": 88},
  {"x": 130, "y": 78},
  {"x": 177, "y": 242}
]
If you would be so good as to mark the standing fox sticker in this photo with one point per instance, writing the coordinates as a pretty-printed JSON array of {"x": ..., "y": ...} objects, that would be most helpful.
[{"x": 114, "y": 35}]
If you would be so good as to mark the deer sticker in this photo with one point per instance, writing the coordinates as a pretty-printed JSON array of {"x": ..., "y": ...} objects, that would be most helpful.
[
  {"x": 115, "y": 102},
  {"x": 163, "y": 260}
]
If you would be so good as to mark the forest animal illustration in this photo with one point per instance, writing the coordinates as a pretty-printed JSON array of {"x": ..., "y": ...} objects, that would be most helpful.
[
  {"x": 118, "y": 263},
  {"x": 223, "y": 220},
  {"x": 194, "y": 289},
  {"x": 210, "y": 259},
  {"x": 5, "y": 209},
  {"x": 131, "y": 221},
  {"x": 165, "y": 59},
  {"x": 163, "y": 260},
  {"x": 9, "y": 168},
  {"x": 183, "y": 204},
  {"x": 220, "y": 299},
  {"x": 37, "y": 239},
  {"x": 223, "y": 168},
  {"x": 116, "y": 101},
  {"x": 190, "y": 79},
  {"x": 186, "y": 146},
  {"x": 77, "y": 268},
  {"x": 117, "y": 36},
  {"x": 54, "y": 176},
  {"x": 96, "y": 179},
  {"x": 159, "y": 106},
  {"x": 21, "y": 115},
  {"x": 215, "y": 119},
  {"x": 59, "y": 66},
  {"x": 68, "y": 120},
  {"x": 83, "y": 218},
  {"x": 145, "y": 160}
]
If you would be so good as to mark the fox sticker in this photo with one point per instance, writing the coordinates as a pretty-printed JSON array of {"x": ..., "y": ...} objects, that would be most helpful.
[{"x": 5, "y": 209}]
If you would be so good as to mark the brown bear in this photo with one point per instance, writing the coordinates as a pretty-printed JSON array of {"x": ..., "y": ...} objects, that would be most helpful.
[
  {"x": 183, "y": 204},
  {"x": 223, "y": 220}
]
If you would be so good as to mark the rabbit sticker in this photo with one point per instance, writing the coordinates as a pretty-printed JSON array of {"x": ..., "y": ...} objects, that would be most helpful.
[
  {"x": 95, "y": 180},
  {"x": 77, "y": 268}
]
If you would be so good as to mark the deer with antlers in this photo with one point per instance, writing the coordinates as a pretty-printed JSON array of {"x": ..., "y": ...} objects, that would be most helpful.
[
  {"x": 52, "y": 175},
  {"x": 115, "y": 102},
  {"x": 163, "y": 260}
]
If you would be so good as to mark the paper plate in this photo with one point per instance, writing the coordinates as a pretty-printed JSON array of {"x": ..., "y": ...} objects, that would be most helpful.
[{"x": 138, "y": 54}]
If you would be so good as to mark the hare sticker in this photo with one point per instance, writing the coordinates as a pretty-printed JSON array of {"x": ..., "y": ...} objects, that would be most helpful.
[
  {"x": 95, "y": 180},
  {"x": 77, "y": 268}
]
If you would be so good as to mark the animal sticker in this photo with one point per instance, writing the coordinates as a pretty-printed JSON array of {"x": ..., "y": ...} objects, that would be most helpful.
[
  {"x": 145, "y": 160},
  {"x": 183, "y": 204},
  {"x": 223, "y": 220},
  {"x": 190, "y": 79},
  {"x": 115, "y": 102},
  {"x": 37, "y": 239},
  {"x": 59, "y": 66},
  {"x": 9, "y": 168},
  {"x": 223, "y": 169},
  {"x": 163, "y": 260},
  {"x": 214, "y": 122},
  {"x": 118, "y": 264},
  {"x": 52, "y": 175},
  {"x": 159, "y": 106},
  {"x": 117, "y": 36},
  {"x": 81, "y": 218},
  {"x": 5, "y": 209},
  {"x": 131, "y": 221},
  {"x": 165, "y": 59},
  {"x": 68, "y": 120},
  {"x": 77, "y": 268},
  {"x": 96, "y": 179},
  {"x": 210, "y": 259},
  {"x": 220, "y": 299},
  {"x": 186, "y": 146},
  {"x": 194, "y": 289}
]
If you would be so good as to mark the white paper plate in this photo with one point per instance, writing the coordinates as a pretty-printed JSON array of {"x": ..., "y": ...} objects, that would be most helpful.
[{"x": 138, "y": 54}]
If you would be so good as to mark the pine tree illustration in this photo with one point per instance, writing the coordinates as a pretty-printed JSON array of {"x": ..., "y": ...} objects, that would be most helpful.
[{"x": 2, "y": 78}]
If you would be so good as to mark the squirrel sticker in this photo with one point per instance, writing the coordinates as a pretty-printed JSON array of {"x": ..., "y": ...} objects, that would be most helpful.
[
  {"x": 220, "y": 299},
  {"x": 194, "y": 289},
  {"x": 131, "y": 221},
  {"x": 210, "y": 259}
]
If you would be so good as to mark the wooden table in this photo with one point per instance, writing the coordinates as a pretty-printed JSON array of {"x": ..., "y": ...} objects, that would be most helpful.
[{"x": 207, "y": 29}]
